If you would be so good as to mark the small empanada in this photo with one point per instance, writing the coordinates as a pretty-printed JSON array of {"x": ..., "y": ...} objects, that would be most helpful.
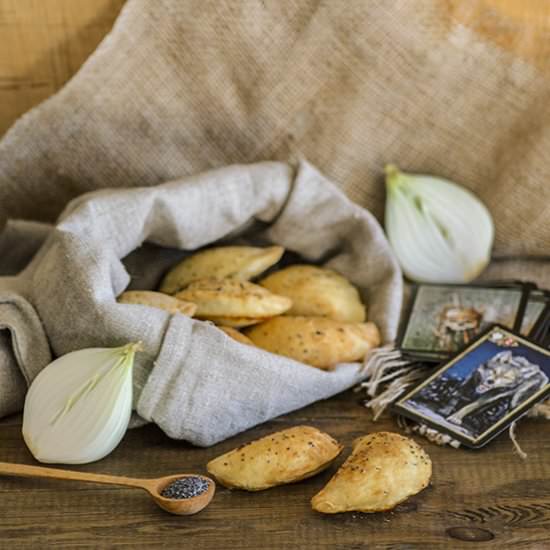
[
  {"x": 238, "y": 262},
  {"x": 217, "y": 299},
  {"x": 158, "y": 300},
  {"x": 237, "y": 335},
  {"x": 317, "y": 341},
  {"x": 279, "y": 458},
  {"x": 383, "y": 470},
  {"x": 317, "y": 292}
]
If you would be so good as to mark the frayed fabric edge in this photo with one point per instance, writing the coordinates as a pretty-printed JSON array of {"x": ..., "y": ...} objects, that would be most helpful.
[{"x": 389, "y": 375}]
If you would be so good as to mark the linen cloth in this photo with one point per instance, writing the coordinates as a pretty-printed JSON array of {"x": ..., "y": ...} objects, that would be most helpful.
[{"x": 192, "y": 380}]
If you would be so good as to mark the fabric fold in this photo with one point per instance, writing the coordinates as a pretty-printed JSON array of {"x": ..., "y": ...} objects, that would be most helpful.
[
  {"x": 191, "y": 396},
  {"x": 29, "y": 343},
  {"x": 191, "y": 379}
]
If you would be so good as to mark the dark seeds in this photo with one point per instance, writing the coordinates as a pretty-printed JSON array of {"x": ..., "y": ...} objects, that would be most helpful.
[{"x": 185, "y": 487}]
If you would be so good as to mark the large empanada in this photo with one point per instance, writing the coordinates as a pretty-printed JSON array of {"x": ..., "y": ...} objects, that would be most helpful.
[
  {"x": 279, "y": 458},
  {"x": 317, "y": 292},
  {"x": 316, "y": 341},
  {"x": 221, "y": 300},
  {"x": 238, "y": 262},
  {"x": 158, "y": 300},
  {"x": 383, "y": 470}
]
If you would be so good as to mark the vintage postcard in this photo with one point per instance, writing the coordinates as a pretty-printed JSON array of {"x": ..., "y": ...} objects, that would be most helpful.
[
  {"x": 540, "y": 331},
  {"x": 480, "y": 392},
  {"x": 536, "y": 304},
  {"x": 445, "y": 318}
]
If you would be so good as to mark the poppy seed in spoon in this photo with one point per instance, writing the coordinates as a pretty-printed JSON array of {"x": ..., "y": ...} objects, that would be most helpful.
[{"x": 186, "y": 487}]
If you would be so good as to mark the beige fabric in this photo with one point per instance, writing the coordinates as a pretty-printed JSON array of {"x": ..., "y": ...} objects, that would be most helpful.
[
  {"x": 191, "y": 379},
  {"x": 182, "y": 86}
]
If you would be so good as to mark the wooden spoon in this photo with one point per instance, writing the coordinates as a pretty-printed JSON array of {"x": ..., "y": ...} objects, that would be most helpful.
[{"x": 154, "y": 487}]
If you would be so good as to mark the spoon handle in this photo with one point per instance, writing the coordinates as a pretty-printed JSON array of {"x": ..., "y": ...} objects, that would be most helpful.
[{"x": 24, "y": 470}]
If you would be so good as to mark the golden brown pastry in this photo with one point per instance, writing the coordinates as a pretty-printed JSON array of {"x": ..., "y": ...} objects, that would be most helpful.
[
  {"x": 317, "y": 292},
  {"x": 235, "y": 322},
  {"x": 279, "y": 458},
  {"x": 317, "y": 341},
  {"x": 231, "y": 302},
  {"x": 383, "y": 470},
  {"x": 158, "y": 300},
  {"x": 237, "y": 335},
  {"x": 238, "y": 262}
]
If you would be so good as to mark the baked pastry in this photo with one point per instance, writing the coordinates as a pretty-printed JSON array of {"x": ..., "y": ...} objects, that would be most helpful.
[
  {"x": 234, "y": 322},
  {"x": 238, "y": 262},
  {"x": 233, "y": 302},
  {"x": 383, "y": 470},
  {"x": 237, "y": 335},
  {"x": 317, "y": 292},
  {"x": 158, "y": 300},
  {"x": 279, "y": 458},
  {"x": 317, "y": 341}
]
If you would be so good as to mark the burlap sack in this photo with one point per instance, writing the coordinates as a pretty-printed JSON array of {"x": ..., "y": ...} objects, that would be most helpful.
[
  {"x": 195, "y": 382},
  {"x": 181, "y": 86}
]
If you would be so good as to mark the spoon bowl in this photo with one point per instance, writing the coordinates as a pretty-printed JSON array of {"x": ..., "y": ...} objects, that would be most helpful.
[{"x": 178, "y": 506}]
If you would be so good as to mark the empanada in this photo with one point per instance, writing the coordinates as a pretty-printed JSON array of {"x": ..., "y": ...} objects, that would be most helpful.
[
  {"x": 317, "y": 292},
  {"x": 235, "y": 322},
  {"x": 221, "y": 300},
  {"x": 316, "y": 341},
  {"x": 158, "y": 300},
  {"x": 237, "y": 335},
  {"x": 238, "y": 262},
  {"x": 279, "y": 458},
  {"x": 383, "y": 470}
]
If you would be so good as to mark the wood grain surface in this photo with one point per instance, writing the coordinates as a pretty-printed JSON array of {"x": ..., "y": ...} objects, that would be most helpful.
[
  {"x": 488, "y": 496},
  {"x": 42, "y": 44}
]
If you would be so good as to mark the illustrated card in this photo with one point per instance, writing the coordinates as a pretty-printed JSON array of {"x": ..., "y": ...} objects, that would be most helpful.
[
  {"x": 536, "y": 304},
  {"x": 483, "y": 389},
  {"x": 443, "y": 319},
  {"x": 540, "y": 330}
]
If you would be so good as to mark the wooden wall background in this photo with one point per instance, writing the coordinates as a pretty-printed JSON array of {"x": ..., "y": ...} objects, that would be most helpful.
[{"x": 44, "y": 42}]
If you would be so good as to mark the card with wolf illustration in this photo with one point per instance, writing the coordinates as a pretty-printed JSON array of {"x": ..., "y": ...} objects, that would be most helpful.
[
  {"x": 480, "y": 392},
  {"x": 444, "y": 319}
]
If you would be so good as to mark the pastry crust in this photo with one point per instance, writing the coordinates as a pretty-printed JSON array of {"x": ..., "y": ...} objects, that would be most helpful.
[
  {"x": 158, "y": 300},
  {"x": 237, "y": 335},
  {"x": 317, "y": 292},
  {"x": 234, "y": 322},
  {"x": 316, "y": 341},
  {"x": 280, "y": 458},
  {"x": 238, "y": 262},
  {"x": 230, "y": 298},
  {"x": 383, "y": 470}
]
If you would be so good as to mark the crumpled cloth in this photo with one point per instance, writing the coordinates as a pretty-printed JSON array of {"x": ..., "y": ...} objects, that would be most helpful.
[{"x": 192, "y": 380}]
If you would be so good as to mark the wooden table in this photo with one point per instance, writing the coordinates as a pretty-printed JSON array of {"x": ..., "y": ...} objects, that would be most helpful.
[{"x": 489, "y": 495}]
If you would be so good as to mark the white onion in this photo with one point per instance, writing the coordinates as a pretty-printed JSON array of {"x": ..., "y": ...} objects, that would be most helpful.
[
  {"x": 78, "y": 408},
  {"x": 439, "y": 231}
]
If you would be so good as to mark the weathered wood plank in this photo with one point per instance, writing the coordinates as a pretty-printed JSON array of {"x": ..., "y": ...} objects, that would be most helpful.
[
  {"x": 42, "y": 44},
  {"x": 480, "y": 495}
]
